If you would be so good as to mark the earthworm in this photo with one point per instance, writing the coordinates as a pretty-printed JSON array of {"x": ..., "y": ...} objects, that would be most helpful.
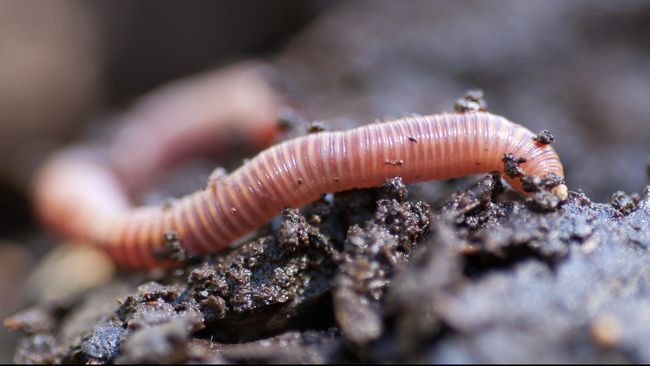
[{"x": 292, "y": 173}]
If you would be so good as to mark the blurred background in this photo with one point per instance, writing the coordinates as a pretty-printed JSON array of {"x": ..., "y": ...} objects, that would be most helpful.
[{"x": 580, "y": 69}]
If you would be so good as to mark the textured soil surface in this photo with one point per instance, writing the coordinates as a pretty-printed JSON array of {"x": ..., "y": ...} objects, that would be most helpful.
[
  {"x": 456, "y": 271},
  {"x": 479, "y": 279}
]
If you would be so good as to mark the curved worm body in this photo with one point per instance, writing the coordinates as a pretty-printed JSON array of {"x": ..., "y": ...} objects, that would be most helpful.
[{"x": 292, "y": 173}]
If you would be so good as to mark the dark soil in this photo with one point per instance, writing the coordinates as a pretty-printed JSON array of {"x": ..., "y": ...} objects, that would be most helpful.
[{"x": 480, "y": 279}]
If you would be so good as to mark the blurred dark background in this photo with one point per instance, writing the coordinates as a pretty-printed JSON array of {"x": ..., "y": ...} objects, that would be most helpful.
[
  {"x": 63, "y": 64},
  {"x": 580, "y": 69}
]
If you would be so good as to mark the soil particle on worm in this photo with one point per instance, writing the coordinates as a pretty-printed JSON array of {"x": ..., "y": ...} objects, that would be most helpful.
[
  {"x": 544, "y": 137},
  {"x": 511, "y": 165},
  {"x": 173, "y": 249},
  {"x": 532, "y": 183}
]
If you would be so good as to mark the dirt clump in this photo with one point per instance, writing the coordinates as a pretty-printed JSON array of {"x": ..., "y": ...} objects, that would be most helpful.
[
  {"x": 371, "y": 254},
  {"x": 544, "y": 137}
]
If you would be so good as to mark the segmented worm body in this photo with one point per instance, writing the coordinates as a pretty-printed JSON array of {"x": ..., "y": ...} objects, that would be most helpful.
[{"x": 293, "y": 174}]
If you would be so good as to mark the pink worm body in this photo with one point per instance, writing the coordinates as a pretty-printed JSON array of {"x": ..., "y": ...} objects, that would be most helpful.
[{"x": 293, "y": 174}]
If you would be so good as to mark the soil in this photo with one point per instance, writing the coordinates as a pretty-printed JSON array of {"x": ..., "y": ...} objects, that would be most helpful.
[
  {"x": 445, "y": 272},
  {"x": 480, "y": 279}
]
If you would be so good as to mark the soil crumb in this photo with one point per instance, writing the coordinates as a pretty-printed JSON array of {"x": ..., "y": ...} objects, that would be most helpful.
[{"x": 544, "y": 137}]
